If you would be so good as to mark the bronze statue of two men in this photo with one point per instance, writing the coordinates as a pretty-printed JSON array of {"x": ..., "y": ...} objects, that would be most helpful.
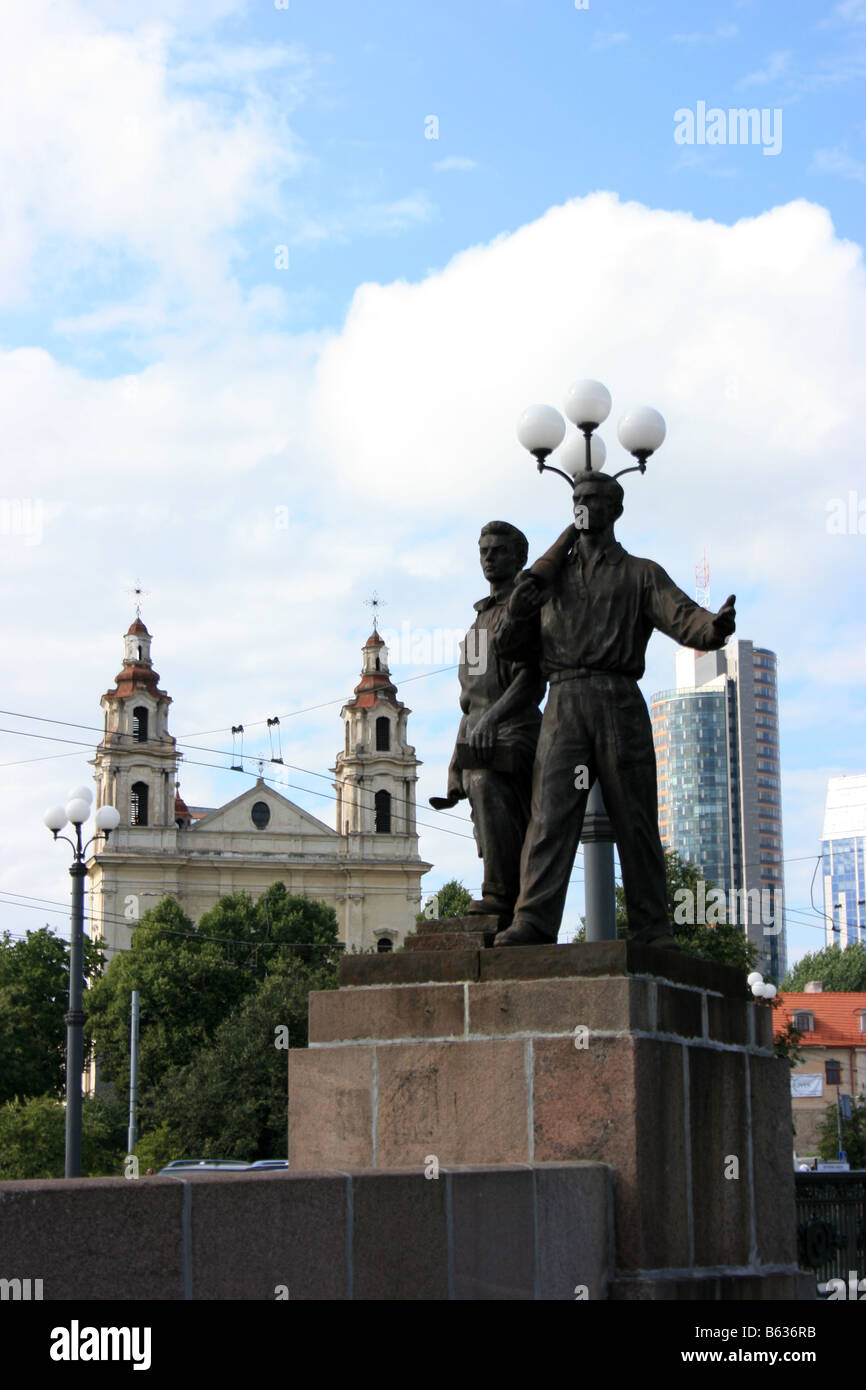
[{"x": 579, "y": 620}]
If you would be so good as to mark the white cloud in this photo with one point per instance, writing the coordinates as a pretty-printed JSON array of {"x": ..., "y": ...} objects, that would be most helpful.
[
  {"x": 97, "y": 149},
  {"x": 848, "y": 12},
  {"x": 838, "y": 161},
  {"x": 777, "y": 66},
  {"x": 603, "y": 39},
  {"x": 721, "y": 33},
  {"x": 454, "y": 163},
  {"x": 362, "y": 219}
]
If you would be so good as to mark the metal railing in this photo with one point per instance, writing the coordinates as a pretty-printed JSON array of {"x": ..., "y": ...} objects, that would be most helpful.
[{"x": 831, "y": 1224}]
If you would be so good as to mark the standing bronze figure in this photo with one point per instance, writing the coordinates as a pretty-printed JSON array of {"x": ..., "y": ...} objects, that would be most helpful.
[
  {"x": 493, "y": 756},
  {"x": 593, "y": 607}
]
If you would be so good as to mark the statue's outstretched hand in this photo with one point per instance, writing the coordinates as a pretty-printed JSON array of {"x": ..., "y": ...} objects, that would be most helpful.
[{"x": 725, "y": 620}]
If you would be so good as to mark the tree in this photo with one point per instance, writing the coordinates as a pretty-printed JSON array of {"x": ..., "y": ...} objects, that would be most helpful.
[
  {"x": 725, "y": 942},
  {"x": 203, "y": 1105},
  {"x": 34, "y": 998},
  {"x": 787, "y": 1043},
  {"x": 453, "y": 900},
  {"x": 33, "y": 1138},
  {"x": 853, "y": 1135},
  {"x": 187, "y": 985},
  {"x": 206, "y": 1079},
  {"x": 838, "y": 971}
]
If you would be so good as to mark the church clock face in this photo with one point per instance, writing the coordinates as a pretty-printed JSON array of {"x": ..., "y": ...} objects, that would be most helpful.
[{"x": 260, "y": 814}]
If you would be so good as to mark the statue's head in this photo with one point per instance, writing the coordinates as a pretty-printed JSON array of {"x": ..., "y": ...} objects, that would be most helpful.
[
  {"x": 598, "y": 500},
  {"x": 503, "y": 549}
]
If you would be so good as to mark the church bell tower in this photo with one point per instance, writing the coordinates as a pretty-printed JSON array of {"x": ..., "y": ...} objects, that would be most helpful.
[
  {"x": 136, "y": 762},
  {"x": 376, "y": 772}
]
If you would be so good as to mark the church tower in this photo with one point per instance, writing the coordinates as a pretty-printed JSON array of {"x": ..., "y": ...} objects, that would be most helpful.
[
  {"x": 136, "y": 762},
  {"x": 377, "y": 769}
]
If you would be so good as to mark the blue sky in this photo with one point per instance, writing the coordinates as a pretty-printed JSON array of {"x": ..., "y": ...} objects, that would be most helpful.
[{"x": 166, "y": 388}]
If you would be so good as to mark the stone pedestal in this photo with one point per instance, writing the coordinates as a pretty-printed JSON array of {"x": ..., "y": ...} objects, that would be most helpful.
[{"x": 650, "y": 1062}]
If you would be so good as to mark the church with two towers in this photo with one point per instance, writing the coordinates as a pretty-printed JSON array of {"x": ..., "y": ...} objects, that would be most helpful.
[{"x": 367, "y": 866}]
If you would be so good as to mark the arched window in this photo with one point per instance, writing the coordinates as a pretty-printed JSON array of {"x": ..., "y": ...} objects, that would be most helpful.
[
  {"x": 805, "y": 1021},
  {"x": 383, "y": 813},
  {"x": 383, "y": 734},
  {"x": 378, "y": 664},
  {"x": 139, "y": 724},
  {"x": 384, "y": 944},
  {"x": 138, "y": 803}
]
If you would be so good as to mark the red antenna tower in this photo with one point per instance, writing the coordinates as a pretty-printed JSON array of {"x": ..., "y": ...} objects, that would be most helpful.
[{"x": 702, "y": 582}]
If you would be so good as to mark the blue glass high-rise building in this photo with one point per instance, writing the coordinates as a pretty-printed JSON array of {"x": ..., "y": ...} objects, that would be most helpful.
[{"x": 716, "y": 738}]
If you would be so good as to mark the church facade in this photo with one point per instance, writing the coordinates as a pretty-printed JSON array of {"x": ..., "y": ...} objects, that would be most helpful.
[{"x": 368, "y": 868}]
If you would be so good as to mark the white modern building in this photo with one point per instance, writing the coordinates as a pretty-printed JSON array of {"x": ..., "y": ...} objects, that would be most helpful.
[{"x": 844, "y": 848}]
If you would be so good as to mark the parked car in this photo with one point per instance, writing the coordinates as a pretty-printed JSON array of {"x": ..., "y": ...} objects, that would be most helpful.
[
  {"x": 204, "y": 1165},
  {"x": 261, "y": 1163}
]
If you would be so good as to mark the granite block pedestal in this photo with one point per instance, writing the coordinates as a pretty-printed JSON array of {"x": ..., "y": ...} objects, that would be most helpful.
[{"x": 650, "y": 1062}]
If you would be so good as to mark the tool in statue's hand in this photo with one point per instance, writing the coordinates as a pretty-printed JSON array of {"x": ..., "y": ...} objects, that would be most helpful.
[{"x": 527, "y": 597}]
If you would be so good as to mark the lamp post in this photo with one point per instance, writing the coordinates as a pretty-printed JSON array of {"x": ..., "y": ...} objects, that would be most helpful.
[
  {"x": 76, "y": 812},
  {"x": 541, "y": 429}
]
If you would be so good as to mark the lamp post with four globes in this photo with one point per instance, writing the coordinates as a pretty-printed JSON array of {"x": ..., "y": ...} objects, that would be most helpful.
[{"x": 76, "y": 811}]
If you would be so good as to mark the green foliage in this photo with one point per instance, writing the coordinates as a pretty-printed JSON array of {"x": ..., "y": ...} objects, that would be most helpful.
[
  {"x": 157, "y": 1148},
  {"x": 204, "y": 1105},
  {"x": 33, "y": 1138},
  {"x": 725, "y": 943},
  {"x": 787, "y": 1044},
  {"x": 187, "y": 986},
  {"x": 853, "y": 1134},
  {"x": 454, "y": 900},
  {"x": 838, "y": 971},
  {"x": 34, "y": 998},
  {"x": 211, "y": 1081}
]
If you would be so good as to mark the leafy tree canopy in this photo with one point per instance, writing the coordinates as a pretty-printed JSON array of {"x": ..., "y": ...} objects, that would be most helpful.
[
  {"x": 33, "y": 1138},
  {"x": 838, "y": 971},
  {"x": 725, "y": 942},
  {"x": 191, "y": 978},
  {"x": 203, "y": 1105},
  {"x": 853, "y": 1135},
  {"x": 34, "y": 998},
  {"x": 453, "y": 900}
]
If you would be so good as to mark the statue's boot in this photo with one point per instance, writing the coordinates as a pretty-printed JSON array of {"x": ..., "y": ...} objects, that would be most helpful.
[
  {"x": 492, "y": 907},
  {"x": 523, "y": 934},
  {"x": 663, "y": 941}
]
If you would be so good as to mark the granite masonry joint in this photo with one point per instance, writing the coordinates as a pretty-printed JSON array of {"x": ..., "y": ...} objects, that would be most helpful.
[
  {"x": 403, "y": 984},
  {"x": 652, "y": 1276},
  {"x": 601, "y": 1035}
]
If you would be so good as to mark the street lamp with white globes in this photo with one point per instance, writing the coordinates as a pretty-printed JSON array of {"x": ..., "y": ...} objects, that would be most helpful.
[
  {"x": 76, "y": 811},
  {"x": 541, "y": 429}
]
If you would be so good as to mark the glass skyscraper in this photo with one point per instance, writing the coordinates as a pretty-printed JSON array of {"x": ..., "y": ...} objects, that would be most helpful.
[
  {"x": 844, "y": 848},
  {"x": 716, "y": 738}
]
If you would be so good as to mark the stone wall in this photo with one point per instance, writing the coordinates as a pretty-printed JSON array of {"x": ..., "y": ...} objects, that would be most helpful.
[{"x": 521, "y": 1232}]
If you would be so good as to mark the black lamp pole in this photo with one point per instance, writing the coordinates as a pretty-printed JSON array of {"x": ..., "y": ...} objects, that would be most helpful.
[{"x": 75, "y": 1016}]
